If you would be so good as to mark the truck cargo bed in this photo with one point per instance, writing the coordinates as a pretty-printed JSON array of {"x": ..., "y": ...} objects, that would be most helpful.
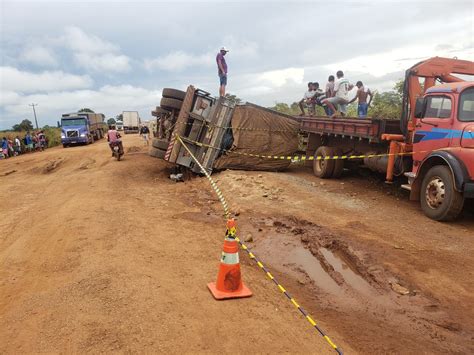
[{"x": 362, "y": 128}]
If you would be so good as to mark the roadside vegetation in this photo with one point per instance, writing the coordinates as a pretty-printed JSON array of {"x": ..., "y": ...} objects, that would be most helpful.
[{"x": 53, "y": 134}]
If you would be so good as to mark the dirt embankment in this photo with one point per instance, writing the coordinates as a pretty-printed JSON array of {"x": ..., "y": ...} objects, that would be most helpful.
[{"x": 100, "y": 255}]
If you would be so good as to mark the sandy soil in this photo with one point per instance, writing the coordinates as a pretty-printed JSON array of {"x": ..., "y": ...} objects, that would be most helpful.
[{"x": 98, "y": 255}]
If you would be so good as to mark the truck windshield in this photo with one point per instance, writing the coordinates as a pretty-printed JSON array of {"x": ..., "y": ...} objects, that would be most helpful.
[
  {"x": 73, "y": 122},
  {"x": 466, "y": 106}
]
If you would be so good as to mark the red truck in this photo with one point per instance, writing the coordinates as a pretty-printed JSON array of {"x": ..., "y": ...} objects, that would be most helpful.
[{"x": 432, "y": 144}]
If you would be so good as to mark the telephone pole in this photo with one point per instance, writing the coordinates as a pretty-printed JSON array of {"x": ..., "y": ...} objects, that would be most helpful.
[{"x": 34, "y": 112}]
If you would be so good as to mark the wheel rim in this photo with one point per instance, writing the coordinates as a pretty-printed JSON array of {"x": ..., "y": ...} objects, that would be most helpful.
[
  {"x": 320, "y": 163},
  {"x": 435, "y": 192}
]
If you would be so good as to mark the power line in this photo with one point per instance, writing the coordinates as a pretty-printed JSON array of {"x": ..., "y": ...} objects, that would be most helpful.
[{"x": 34, "y": 112}]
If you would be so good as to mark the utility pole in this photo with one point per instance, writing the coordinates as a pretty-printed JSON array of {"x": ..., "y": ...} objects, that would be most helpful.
[{"x": 34, "y": 112}]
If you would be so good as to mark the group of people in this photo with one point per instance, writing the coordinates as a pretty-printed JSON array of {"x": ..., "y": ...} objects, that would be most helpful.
[
  {"x": 335, "y": 98},
  {"x": 37, "y": 141}
]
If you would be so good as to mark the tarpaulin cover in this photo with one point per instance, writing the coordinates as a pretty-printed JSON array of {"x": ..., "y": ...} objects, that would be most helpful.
[{"x": 260, "y": 131}]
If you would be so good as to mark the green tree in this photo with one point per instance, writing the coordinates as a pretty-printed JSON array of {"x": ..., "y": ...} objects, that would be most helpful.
[
  {"x": 119, "y": 118},
  {"x": 232, "y": 98},
  {"x": 25, "y": 125},
  {"x": 111, "y": 121},
  {"x": 85, "y": 109}
]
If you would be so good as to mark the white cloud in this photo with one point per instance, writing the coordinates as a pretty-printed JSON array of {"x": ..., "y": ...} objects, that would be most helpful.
[
  {"x": 278, "y": 78},
  {"x": 93, "y": 53},
  {"x": 178, "y": 61},
  {"x": 39, "y": 56},
  {"x": 12, "y": 79},
  {"x": 109, "y": 100},
  {"x": 108, "y": 62}
]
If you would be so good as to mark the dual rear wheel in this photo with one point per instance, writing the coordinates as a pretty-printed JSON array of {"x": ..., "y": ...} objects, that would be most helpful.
[{"x": 325, "y": 166}]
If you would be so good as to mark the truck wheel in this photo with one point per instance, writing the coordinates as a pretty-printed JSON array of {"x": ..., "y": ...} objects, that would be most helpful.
[
  {"x": 439, "y": 200},
  {"x": 323, "y": 168},
  {"x": 173, "y": 94},
  {"x": 160, "y": 144},
  {"x": 171, "y": 104},
  {"x": 65, "y": 145},
  {"x": 338, "y": 164},
  {"x": 159, "y": 110},
  {"x": 157, "y": 153}
]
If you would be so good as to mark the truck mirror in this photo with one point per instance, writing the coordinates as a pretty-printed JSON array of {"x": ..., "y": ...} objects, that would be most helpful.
[{"x": 420, "y": 107}]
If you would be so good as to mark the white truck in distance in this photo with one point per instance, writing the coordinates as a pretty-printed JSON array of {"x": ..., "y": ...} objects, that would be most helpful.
[{"x": 131, "y": 121}]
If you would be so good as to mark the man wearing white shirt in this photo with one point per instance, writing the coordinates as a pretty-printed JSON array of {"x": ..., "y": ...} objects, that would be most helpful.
[
  {"x": 341, "y": 96},
  {"x": 307, "y": 100}
]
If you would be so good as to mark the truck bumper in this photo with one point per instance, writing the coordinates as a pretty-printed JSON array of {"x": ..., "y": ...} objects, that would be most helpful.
[
  {"x": 468, "y": 190},
  {"x": 74, "y": 140}
]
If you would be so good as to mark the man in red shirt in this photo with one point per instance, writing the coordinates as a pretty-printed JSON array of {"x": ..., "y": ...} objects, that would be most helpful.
[{"x": 222, "y": 70}]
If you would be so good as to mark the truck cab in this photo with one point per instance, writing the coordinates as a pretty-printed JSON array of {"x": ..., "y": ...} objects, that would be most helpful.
[
  {"x": 443, "y": 150},
  {"x": 74, "y": 129}
]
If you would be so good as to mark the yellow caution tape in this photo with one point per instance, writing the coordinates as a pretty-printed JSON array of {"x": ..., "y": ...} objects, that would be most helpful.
[{"x": 253, "y": 257}]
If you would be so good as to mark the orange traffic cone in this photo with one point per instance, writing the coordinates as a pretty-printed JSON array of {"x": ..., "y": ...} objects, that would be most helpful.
[{"x": 229, "y": 281}]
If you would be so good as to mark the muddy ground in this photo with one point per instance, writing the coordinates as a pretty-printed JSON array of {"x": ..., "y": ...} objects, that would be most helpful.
[{"x": 99, "y": 255}]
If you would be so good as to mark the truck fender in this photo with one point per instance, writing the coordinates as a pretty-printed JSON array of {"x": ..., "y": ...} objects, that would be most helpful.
[{"x": 457, "y": 167}]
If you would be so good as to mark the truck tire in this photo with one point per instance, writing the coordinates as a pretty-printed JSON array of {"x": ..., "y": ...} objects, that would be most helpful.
[
  {"x": 157, "y": 153},
  {"x": 439, "y": 200},
  {"x": 338, "y": 164},
  {"x": 160, "y": 144},
  {"x": 323, "y": 168},
  {"x": 173, "y": 94},
  {"x": 171, "y": 104},
  {"x": 159, "y": 110}
]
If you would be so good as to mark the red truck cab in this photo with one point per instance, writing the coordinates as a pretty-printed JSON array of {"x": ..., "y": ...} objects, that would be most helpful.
[{"x": 443, "y": 150}]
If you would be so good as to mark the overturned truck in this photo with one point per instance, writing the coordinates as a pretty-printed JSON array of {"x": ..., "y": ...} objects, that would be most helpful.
[{"x": 221, "y": 134}]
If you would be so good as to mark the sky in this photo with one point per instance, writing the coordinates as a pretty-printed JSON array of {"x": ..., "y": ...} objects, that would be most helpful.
[{"x": 114, "y": 56}]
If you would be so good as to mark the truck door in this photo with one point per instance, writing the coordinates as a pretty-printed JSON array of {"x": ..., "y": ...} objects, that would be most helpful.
[{"x": 435, "y": 130}]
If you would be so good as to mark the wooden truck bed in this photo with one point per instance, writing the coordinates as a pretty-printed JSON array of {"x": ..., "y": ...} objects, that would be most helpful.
[{"x": 368, "y": 128}]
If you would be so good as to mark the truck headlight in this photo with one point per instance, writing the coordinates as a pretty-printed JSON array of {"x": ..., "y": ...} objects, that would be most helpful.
[
  {"x": 63, "y": 135},
  {"x": 83, "y": 134}
]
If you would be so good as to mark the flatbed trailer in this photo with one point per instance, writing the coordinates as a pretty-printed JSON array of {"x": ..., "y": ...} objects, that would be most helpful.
[
  {"x": 348, "y": 136},
  {"x": 370, "y": 129}
]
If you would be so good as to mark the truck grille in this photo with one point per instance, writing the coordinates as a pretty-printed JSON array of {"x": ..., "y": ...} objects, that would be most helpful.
[{"x": 71, "y": 134}]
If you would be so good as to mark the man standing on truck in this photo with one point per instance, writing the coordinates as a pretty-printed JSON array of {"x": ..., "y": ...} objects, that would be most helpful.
[
  {"x": 362, "y": 93},
  {"x": 222, "y": 70},
  {"x": 341, "y": 95}
]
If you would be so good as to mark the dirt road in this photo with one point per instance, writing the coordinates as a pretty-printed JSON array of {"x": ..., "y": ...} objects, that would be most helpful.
[{"x": 99, "y": 255}]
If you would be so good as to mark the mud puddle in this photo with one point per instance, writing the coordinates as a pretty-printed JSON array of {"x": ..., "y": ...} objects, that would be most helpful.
[{"x": 352, "y": 278}]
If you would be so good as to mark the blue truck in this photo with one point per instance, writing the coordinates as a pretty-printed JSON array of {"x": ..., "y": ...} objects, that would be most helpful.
[{"x": 82, "y": 128}]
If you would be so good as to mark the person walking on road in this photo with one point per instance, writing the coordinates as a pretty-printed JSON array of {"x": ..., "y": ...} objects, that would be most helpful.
[
  {"x": 144, "y": 133},
  {"x": 222, "y": 70},
  {"x": 362, "y": 94}
]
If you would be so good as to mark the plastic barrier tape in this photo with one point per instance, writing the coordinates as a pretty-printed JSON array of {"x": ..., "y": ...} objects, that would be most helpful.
[
  {"x": 295, "y": 158},
  {"x": 254, "y": 257}
]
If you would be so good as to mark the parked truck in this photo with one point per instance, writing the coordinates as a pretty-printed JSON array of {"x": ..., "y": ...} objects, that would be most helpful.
[
  {"x": 131, "y": 121},
  {"x": 432, "y": 145},
  {"x": 82, "y": 127}
]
